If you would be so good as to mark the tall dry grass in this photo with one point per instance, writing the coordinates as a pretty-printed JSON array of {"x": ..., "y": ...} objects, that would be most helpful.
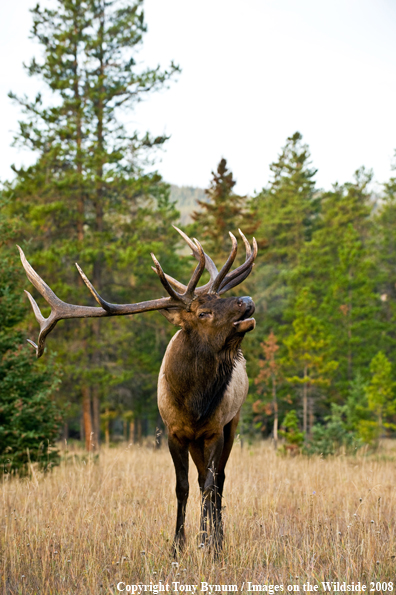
[{"x": 89, "y": 524}]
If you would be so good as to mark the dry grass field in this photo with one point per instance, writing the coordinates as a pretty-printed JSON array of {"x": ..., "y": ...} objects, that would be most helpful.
[{"x": 92, "y": 523}]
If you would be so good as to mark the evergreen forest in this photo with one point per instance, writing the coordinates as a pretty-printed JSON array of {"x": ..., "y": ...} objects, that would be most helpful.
[{"x": 322, "y": 359}]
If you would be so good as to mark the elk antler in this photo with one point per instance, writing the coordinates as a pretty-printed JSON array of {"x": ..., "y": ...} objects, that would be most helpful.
[
  {"x": 179, "y": 295},
  {"x": 61, "y": 310}
]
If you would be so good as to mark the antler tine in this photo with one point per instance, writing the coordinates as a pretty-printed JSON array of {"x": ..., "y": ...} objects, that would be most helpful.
[
  {"x": 105, "y": 305},
  {"x": 241, "y": 269},
  {"x": 173, "y": 294},
  {"x": 124, "y": 309},
  {"x": 46, "y": 324},
  {"x": 187, "y": 291},
  {"x": 180, "y": 287},
  {"x": 247, "y": 245},
  {"x": 226, "y": 267},
  {"x": 38, "y": 283},
  {"x": 236, "y": 281},
  {"x": 59, "y": 309},
  {"x": 198, "y": 271},
  {"x": 209, "y": 264}
]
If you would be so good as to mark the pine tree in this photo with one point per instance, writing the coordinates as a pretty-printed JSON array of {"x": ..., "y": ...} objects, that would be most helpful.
[
  {"x": 286, "y": 210},
  {"x": 380, "y": 390},
  {"x": 29, "y": 417},
  {"x": 270, "y": 374},
  {"x": 291, "y": 433},
  {"x": 356, "y": 407},
  {"x": 383, "y": 248},
  {"x": 309, "y": 354},
  {"x": 87, "y": 198},
  {"x": 338, "y": 268},
  {"x": 223, "y": 211}
]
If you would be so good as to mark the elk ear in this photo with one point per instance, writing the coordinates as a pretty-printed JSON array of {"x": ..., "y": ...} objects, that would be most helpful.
[{"x": 173, "y": 315}]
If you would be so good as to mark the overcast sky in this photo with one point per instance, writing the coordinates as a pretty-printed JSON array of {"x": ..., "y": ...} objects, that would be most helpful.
[{"x": 253, "y": 73}]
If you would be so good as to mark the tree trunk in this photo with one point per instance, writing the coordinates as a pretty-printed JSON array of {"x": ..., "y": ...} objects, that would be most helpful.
[
  {"x": 82, "y": 428},
  {"x": 350, "y": 374},
  {"x": 311, "y": 412},
  {"x": 87, "y": 417},
  {"x": 275, "y": 405},
  {"x": 78, "y": 115},
  {"x": 65, "y": 433},
  {"x": 107, "y": 429},
  {"x": 139, "y": 431},
  {"x": 96, "y": 416},
  {"x": 98, "y": 201},
  {"x": 97, "y": 272},
  {"x": 132, "y": 431},
  {"x": 305, "y": 403}
]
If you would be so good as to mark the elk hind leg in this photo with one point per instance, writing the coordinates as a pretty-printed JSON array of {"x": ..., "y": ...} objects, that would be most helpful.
[
  {"x": 229, "y": 435},
  {"x": 179, "y": 453}
]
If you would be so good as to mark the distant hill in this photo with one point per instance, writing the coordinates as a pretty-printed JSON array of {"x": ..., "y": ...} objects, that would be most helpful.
[{"x": 186, "y": 198}]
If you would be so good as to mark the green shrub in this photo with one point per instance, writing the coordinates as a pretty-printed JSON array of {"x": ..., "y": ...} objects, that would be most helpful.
[
  {"x": 333, "y": 436},
  {"x": 291, "y": 434}
]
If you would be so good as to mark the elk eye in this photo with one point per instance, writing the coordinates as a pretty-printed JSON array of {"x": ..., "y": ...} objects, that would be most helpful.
[{"x": 203, "y": 314}]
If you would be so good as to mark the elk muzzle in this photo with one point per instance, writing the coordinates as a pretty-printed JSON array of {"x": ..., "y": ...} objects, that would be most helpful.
[{"x": 245, "y": 323}]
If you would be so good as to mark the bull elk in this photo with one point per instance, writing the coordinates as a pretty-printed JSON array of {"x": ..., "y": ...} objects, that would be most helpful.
[{"x": 202, "y": 381}]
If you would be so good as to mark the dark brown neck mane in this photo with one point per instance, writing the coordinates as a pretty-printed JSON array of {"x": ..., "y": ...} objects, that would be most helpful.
[{"x": 199, "y": 377}]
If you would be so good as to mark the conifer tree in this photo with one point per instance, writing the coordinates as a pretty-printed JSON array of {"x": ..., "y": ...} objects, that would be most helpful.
[
  {"x": 309, "y": 354},
  {"x": 290, "y": 432},
  {"x": 383, "y": 247},
  {"x": 223, "y": 211},
  {"x": 270, "y": 374},
  {"x": 338, "y": 268},
  {"x": 29, "y": 417},
  {"x": 380, "y": 390},
  {"x": 286, "y": 211},
  {"x": 87, "y": 197},
  {"x": 356, "y": 406}
]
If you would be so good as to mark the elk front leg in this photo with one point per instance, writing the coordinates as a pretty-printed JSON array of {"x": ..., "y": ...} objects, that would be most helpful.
[
  {"x": 211, "y": 495},
  {"x": 179, "y": 452}
]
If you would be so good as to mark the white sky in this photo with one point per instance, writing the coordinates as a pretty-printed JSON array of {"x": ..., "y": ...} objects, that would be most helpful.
[{"x": 254, "y": 72}]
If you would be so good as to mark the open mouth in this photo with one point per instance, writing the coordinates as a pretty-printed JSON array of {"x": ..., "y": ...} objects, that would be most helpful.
[{"x": 246, "y": 324}]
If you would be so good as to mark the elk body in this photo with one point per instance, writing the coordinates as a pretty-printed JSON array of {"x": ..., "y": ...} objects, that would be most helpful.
[{"x": 202, "y": 382}]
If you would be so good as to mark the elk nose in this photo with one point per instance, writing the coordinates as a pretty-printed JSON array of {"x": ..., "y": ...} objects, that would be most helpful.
[{"x": 248, "y": 303}]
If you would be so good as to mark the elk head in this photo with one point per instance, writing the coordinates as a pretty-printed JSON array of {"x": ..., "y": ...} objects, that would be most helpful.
[
  {"x": 205, "y": 316},
  {"x": 199, "y": 311},
  {"x": 213, "y": 320}
]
